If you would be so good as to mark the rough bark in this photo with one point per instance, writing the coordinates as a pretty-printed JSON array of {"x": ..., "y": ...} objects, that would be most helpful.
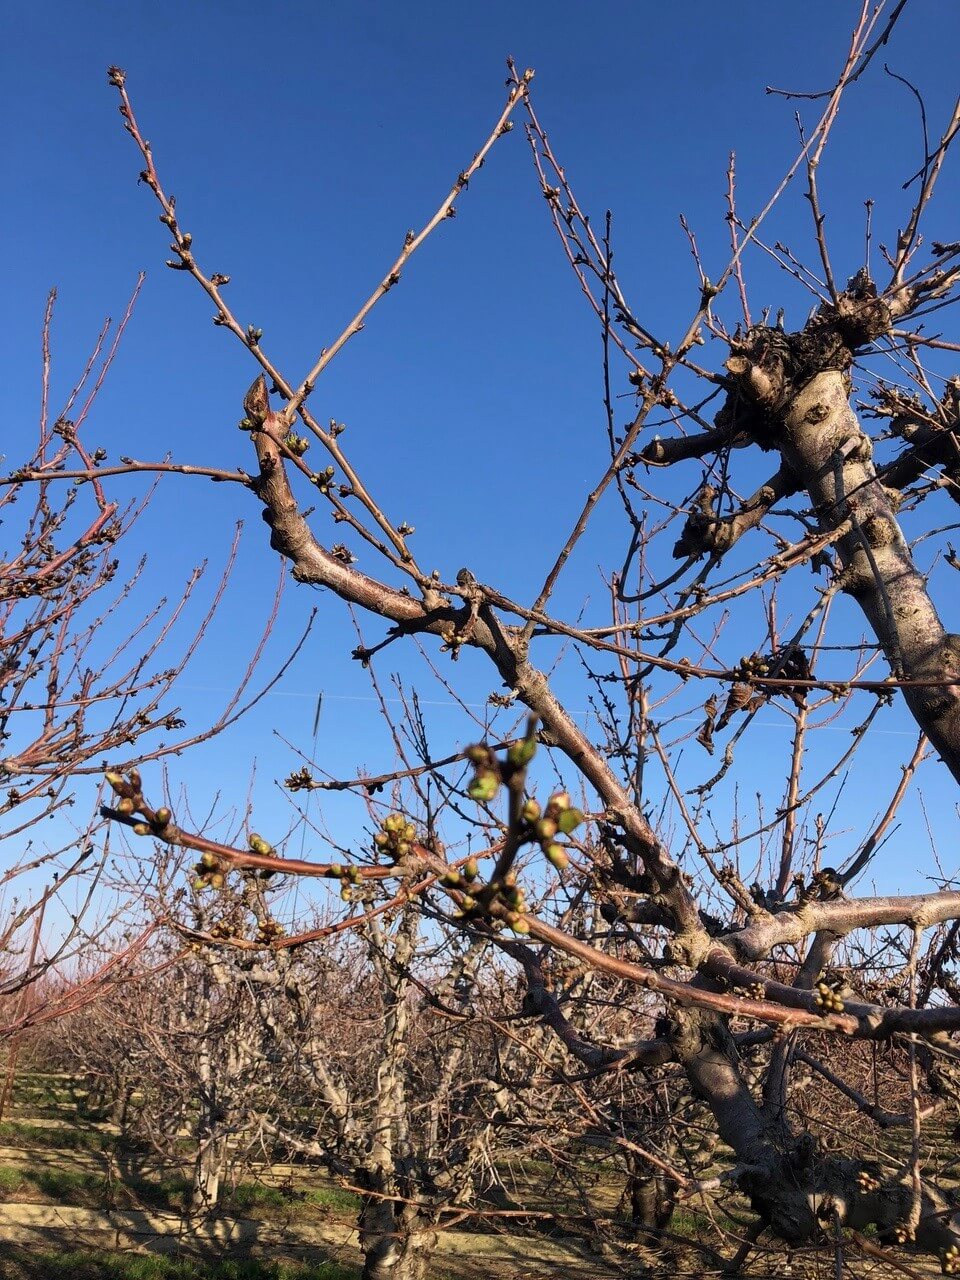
[
  {"x": 791, "y": 391},
  {"x": 795, "y": 1187},
  {"x": 397, "y": 1244},
  {"x": 827, "y": 448},
  {"x": 207, "y": 1175}
]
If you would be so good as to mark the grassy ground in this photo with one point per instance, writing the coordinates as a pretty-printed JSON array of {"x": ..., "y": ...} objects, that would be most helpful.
[
  {"x": 65, "y": 1178},
  {"x": 168, "y": 1195},
  {"x": 21, "y": 1264}
]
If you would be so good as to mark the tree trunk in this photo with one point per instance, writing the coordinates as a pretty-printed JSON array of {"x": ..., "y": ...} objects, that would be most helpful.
[
  {"x": 397, "y": 1243},
  {"x": 121, "y": 1107},
  {"x": 796, "y": 1188},
  {"x": 790, "y": 393},
  {"x": 207, "y": 1174},
  {"x": 652, "y": 1201},
  {"x": 211, "y": 1144}
]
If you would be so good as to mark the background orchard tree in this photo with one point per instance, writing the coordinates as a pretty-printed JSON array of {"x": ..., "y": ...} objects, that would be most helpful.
[
  {"x": 783, "y": 492},
  {"x": 180, "y": 1056},
  {"x": 87, "y": 675},
  {"x": 405, "y": 1061}
]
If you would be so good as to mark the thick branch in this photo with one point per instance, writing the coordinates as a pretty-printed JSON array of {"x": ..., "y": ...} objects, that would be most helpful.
[
  {"x": 791, "y": 392},
  {"x": 757, "y": 939},
  {"x": 706, "y": 532}
]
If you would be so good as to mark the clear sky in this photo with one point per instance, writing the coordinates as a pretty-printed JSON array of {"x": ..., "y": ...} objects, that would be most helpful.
[{"x": 302, "y": 140}]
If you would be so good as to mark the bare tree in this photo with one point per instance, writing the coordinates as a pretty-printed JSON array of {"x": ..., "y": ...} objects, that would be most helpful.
[
  {"x": 85, "y": 676},
  {"x": 409, "y": 1076},
  {"x": 731, "y": 925},
  {"x": 382, "y": 1053}
]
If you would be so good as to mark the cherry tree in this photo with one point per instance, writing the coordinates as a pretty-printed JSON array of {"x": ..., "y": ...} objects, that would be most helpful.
[
  {"x": 88, "y": 674},
  {"x": 810, "y": 596}
]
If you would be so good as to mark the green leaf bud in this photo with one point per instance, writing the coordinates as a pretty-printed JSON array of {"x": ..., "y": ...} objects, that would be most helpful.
[
  {"x": 569, "y": 820},
  {"x": 484, "y": 786},
  {"x": 530, "y": 811},
  {"x": 521, "y": 753},
  {"x": 557, "y": 856}
]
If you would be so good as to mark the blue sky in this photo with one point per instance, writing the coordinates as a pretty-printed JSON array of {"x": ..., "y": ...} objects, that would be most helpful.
[{"x": 302, "y": 140}]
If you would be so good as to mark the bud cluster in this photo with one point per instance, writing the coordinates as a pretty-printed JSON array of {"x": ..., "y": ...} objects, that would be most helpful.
[
  {"x": 828, "y": 996},
  {"x": 301, "y": 780},
  {"x": 297, "y": 445},
  {"x": 950, "y": 1261},
  {"x": 502, "y": 899},
  {"x": 269, "y": 931},
  {"x": 490, "y": 773},
  {"x": 395, "y": 837},
  {"x": 559, "y": 818},
  {"x": 463, "y": 878},
  {"x": 530, "y": 823},
  {"x": 867, "y": 1182},
  {"x": 349, "y": 878},
  {"x": 264, "y": 849},
  {"x": 488, "y": 776},
  {"x": 129, "y": 792},
  {"x": 537, "y": 826},
  {"x": 209, "y": 873},
  {"x": 752, "y": 664}
]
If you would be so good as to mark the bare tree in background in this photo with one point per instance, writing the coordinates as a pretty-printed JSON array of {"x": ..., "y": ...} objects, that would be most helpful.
[
  {"x": 732, "y": 927},
  {"x": 389, "y": 1054},
  {"x": 86, "y": 676}
]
